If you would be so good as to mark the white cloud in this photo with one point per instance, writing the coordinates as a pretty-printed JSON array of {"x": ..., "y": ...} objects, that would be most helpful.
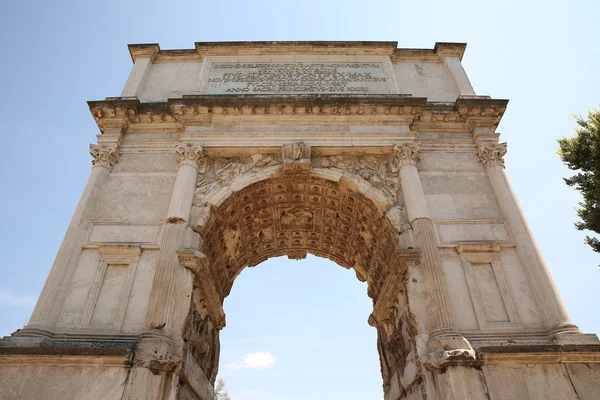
[
  {"x": 255, "y": 360},
  {"x": 16, "y": 300}
]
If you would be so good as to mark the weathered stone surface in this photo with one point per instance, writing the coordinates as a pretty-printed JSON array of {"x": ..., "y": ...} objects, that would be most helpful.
[{"x": 381, "y": 159}]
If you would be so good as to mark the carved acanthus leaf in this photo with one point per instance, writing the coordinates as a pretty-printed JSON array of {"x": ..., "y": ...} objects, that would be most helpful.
[
  {"x": 190, "y": 154},
  {"x": 491, "y": 154},
  {"x": 104, "y": 155},
  {"x": 404, "y": 153}
]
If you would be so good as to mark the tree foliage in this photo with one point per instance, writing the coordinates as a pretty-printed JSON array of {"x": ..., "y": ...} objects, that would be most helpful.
[
  {"x": 581, "y": 153},
  {"x": 221, "y": 391}
]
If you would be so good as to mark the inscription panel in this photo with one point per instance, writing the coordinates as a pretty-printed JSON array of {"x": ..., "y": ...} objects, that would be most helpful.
[{"x": 293, "y": 77}]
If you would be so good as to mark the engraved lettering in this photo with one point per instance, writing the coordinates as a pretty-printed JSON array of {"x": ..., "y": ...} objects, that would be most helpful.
[{"x": 297, "y": 78}]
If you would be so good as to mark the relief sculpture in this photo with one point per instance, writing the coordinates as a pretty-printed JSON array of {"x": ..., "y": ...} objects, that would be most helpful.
[
  {"x": 372, "y": 168},
  {"x": 296, "y": 218},
  {"x": 394, "y": 342},
  {"x": 201, "y": 339},
  {"x": 222, "y": 170}
]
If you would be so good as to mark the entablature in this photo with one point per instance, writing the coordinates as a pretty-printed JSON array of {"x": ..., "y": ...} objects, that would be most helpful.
[{"x": 467, "y": 113}]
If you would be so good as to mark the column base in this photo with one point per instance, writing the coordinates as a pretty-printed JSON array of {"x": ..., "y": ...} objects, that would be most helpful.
[{"x": 448, "y": 347}]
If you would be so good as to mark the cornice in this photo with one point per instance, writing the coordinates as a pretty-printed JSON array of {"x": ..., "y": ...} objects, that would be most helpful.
[
  {"x": 296, "y": 47},
  {"x": 385, "y": 48},
  {"x": 416, "y": 112},
  {"x": 447, "y": 49},
  {"x": 147, "y": 50}
]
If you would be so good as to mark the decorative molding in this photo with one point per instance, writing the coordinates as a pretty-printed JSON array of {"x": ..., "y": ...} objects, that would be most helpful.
[
  {"x": 65, "y": 357},
  {"x": 444, "y": 49},
  {"x": 111, "y": 256},
  {"x": 202, "y": 50},
  {"x": 190, "y": 154},
  {"x": 104, "y": 155},
  {"x": 145, "y": 50},
  {"x": 478, "y": 255},
  {"x": 540, "y": 354},
  {"x": 491, "y": 154},
  {"x": 177, "y": 113},
  {"x": 478, "y": 248}
]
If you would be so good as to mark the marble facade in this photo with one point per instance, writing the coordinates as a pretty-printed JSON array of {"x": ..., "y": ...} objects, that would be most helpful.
[{"x": 381, "y": 159}]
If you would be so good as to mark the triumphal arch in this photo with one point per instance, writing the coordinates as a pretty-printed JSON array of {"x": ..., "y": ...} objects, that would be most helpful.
[{"x": 219, "y": 157}]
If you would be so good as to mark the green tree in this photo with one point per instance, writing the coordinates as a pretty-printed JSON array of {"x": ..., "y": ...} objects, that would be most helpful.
[
  {"x": 581, "y": 153},
  {"x": 221, "y": 391}
]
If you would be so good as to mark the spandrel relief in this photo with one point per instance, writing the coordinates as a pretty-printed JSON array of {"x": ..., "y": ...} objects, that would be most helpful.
[
  {"x": 220, "y": 171},
  {"x": 372, "y": 168}
]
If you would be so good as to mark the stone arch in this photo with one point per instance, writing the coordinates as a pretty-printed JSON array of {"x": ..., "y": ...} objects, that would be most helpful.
[{"x": 327, "y": 212}]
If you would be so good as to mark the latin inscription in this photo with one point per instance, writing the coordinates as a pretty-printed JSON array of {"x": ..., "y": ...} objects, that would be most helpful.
[{"x": 297, "y": 78}]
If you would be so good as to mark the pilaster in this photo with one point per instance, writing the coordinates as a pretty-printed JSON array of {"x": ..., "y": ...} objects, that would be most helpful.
[
  {"x": 556, "y": 318},
  {"x": 49, "y": 305}
]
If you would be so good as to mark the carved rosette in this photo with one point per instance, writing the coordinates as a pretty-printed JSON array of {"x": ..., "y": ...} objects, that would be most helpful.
[
  {"x": 190, "y": 154},
  {"x": 104, "y": 155},
  {"x": 405, "y": 153},
  {"x": 491, "y": 154}
]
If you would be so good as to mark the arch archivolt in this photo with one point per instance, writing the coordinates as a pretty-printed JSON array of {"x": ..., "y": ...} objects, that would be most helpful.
[
  {"x": 347, "y": 208},
  {"x": 344, "y": 207}
]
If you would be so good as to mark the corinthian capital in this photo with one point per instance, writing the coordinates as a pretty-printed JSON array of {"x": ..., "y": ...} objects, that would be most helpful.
[
  {"x": 404, "y": 153},
  {"x": 190, "y": 154},
  {"x": 491, "y": 154},
  {"x": 104, "y": 155}
]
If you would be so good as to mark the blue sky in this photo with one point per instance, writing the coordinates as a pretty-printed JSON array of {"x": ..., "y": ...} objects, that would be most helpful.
[{"x": 310, "y": 315}]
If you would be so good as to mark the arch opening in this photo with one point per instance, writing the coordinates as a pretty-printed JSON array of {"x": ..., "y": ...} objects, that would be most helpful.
[
  {"x": 309, "y": 315},
  {"x": 293, "y": 214}
]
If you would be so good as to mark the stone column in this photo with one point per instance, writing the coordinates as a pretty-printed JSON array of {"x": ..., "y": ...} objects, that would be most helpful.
[
  {"x": 442, "y": 332},
  {"x": 174, "y": 233},
  {"x": 54, "y": 292},
  {"x": 556, "y": 318},
  {"x": 191, "y": 160}
]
